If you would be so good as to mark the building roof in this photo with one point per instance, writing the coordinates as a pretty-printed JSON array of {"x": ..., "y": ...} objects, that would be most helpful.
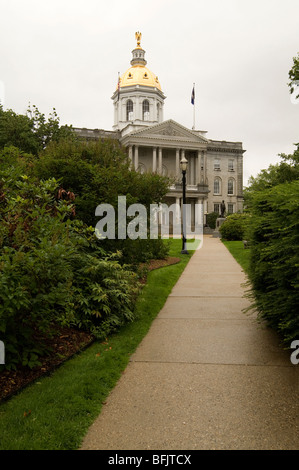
[{"x": 139, "y": 75}]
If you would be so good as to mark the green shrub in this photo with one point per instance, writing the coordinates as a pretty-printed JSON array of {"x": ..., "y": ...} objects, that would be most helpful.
[
  {"x": 274, "y": 265},
  {"x": 138, "y": 251},
  {"x": 53, "y": 270},
  {"x": 103, "y": 294},
  {"x": 211, "y": 219},
  {"x": 98, "y": 172},
  {"x": 234, "y": 227},
  {"x": 35, "y": 271}
]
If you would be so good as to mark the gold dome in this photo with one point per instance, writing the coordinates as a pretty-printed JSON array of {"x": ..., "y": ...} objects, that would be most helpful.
[{"x": 139, "y": 75}]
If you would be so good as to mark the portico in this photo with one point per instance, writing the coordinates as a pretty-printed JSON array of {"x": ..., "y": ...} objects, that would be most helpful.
[{"x": 160, "y": 148}]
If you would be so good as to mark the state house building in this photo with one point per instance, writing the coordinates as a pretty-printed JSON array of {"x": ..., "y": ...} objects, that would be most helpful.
[{"x": 215, "y": 168}]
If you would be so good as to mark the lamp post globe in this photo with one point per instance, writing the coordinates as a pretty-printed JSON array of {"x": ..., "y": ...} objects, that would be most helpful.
[{"x": 184, "y": 164}]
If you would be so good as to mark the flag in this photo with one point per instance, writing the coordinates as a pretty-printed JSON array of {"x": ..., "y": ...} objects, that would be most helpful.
[{"x": 193, "y": 95}]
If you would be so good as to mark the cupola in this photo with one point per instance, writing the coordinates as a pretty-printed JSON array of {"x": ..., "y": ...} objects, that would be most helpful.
[{"x": 138, "y": 98}]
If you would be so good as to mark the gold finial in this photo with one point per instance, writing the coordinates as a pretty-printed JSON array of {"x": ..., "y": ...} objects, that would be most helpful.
[{"x": 138, "y": 38}]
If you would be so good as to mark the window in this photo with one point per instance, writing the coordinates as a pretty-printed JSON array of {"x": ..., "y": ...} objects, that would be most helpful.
[
  {"x": 129, "y": 110},
  {"x": 216, "y": 164},
  {"x": 217, "y": 186},
  {"x": 230, "y": 208},
  {"x": 201, "y": 163},
  {"x": 145, "y": 110},
  {"x": 231, "y": 165},
  {"x": 230, "y": 186},
  {"x": 158, "y": 112}
]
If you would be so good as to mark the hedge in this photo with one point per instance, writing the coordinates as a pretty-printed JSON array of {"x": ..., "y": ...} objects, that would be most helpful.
[{"x": 274, "y": 266}]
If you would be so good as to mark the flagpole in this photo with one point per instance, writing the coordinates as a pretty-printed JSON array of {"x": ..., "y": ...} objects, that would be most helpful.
[{"x": 194, "y": 116}]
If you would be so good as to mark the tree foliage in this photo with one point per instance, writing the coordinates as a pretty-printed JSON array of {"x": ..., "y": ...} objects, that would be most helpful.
[
  {"x": 294, "y": 76},
  {"x": 273, "y": 201},
  {"x": 285, "y": 171},
  {"x": 31, "y": 132},
  {"x": 99, "y": 172},
  {"x": 53, "y": 270},
  {"x": 234, "y": 227},
  {"x": 274, "y": 264}
]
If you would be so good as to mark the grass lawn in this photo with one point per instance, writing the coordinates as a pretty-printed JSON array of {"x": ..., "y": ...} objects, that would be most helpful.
[
  {"x": 241, "y": 255},
  {"x": 56, "y": 411}
]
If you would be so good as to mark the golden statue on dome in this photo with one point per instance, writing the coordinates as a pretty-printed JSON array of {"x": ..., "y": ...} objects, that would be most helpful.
[{"x": 138, "y": 38}]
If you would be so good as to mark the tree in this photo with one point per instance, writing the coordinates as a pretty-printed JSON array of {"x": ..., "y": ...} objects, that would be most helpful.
[
  {"x": 272, "y": 199},
  {"x": 285, "y": 171},
  {"x": 31, "y": 132},
  {"x": 17, "y": 130},
  {"x": 294, "y": 75},
  {"x": 98, "y": 172},
  {"x": 274, "y": 260}
]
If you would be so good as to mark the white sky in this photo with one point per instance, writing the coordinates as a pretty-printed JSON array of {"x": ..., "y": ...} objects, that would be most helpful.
[{"x": 67, "y": 54}]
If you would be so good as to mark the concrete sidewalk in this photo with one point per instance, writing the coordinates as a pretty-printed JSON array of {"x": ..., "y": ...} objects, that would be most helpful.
[{"x": 206, "y": 376}]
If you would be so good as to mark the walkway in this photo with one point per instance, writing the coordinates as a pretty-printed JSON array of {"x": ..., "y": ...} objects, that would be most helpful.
[{"x": 206, "y": 376}]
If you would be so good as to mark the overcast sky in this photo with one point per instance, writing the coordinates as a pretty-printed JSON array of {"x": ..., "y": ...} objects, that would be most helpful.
[{"x": 67, "y": 54}]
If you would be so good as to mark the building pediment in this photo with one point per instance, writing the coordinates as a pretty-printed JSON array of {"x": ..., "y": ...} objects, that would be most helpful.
[{"x": 167, "y": 131}]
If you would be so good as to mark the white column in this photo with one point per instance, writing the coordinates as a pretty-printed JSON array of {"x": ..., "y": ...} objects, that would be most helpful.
[
  {"x": 154, "y": 159},
  {"x": 178, "y": 210},
  {"x": 137, "y": 112},
  {"x": 122, "y": 115},
  {"x": 198, "y": 167},
  {"x": 116, "y": 112},
  {"x": 200, "y": 211},
  {"x": 192, "y": 169},
  {"x": 136, "y": 162},
  {"x": 160, "y": 161},
  {"x": 177, "y": 163},
  {"x": 151, "y": 111},
  {"x": 131, "y": 155},
  {"x": 204, "y": 166}
]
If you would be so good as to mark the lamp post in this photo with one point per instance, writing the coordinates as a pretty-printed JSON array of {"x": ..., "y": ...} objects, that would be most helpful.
[{"x": 184, "y": 166}]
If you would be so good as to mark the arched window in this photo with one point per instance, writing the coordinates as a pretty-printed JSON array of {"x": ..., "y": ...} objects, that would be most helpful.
[
  {"x": 129, "y": 110},
  {"x": 145, "y": 110},
  {"x": 217, "y": 186},
  {"x": 230, "y": 186},
  {"x": 158, "y": 112}
]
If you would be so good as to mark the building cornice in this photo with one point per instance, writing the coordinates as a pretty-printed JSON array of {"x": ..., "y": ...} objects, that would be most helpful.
[
  {"x": 137, "y": 89},
  {"x": 163, "y": 141},
  {"x": 222, "y": 146}
]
